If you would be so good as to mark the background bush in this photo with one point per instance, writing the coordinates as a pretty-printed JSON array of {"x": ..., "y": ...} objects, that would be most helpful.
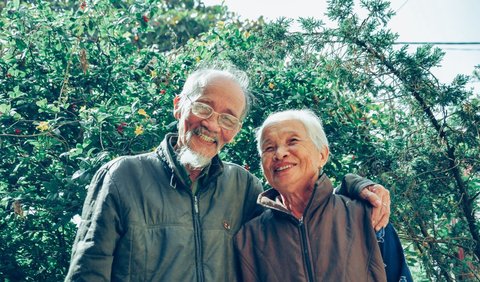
[{"x": 84, "y": 82}]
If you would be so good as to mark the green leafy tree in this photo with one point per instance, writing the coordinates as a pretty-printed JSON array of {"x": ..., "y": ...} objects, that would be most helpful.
[
  {"x": 84, "y": 82},
  {"x": 80, "y": 84},
  {"x": 435, "y": 165}
]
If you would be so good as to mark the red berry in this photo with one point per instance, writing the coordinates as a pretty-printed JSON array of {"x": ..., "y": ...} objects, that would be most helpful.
[
  {"x": 145, "y": 18},
  {"x": 162, "y": 91},
  {"x": 18, "y": 131},
  {"x": 120, "y": 127}
]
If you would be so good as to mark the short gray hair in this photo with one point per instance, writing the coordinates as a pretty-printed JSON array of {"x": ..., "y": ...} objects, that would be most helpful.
[
  {"x": 309, "y": 119},
  {"x": 200, "y": 79}
]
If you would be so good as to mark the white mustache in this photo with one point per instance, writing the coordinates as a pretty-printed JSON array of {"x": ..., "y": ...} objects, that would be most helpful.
[{"x": 204, "y": 131}]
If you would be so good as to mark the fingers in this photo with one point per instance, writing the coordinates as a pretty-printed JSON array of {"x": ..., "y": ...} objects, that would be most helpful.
[
  {"x": 369, "y": 194},
  {"x": 383, "y": 218},
  {"x": 371, "y": 197},
  {"x": 376, "y": 216},
  {"x": 379, "y": 198}
]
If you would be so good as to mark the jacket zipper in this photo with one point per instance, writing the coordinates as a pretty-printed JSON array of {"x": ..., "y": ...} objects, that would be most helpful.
[
  {"x": 198, "y": 239},
  {"x": 305, "y": 250}
]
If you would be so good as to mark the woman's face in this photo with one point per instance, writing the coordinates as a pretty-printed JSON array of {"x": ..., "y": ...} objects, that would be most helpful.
[{"x": 290, "y": 160}]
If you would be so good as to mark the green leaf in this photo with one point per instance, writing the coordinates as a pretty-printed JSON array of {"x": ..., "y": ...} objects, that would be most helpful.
[
  {"x": 16, "y": 93},
  {"x": 20, "y": 44},
  {"x": 4, "y": 108},
  {"x": 42, "y": 103}
]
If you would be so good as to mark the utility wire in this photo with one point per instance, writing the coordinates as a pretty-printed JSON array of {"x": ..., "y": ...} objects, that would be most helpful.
[
  {"x": 436, "y": 43},
  {"x": 461, "y": 49},
  {"x": 401, "y": 6}
]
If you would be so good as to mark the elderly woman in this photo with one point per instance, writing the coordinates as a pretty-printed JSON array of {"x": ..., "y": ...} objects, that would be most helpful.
[{"x": 307, "y": 233}]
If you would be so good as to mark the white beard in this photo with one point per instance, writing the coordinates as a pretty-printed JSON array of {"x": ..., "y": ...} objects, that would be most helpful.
[{"x": 189, "y": 158}]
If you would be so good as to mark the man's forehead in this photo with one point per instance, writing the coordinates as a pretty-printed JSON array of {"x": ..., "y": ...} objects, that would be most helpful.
[
  {"x": 226, "y": 92},
  {"x": 222, "y": 83}
]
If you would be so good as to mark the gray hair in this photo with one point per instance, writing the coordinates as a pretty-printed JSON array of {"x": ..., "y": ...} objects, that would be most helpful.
[
  {"x": 200, "y": 79},
  {"x": 309, "y": 119}
]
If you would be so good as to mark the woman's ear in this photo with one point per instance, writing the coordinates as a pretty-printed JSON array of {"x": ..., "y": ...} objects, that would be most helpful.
[
  {"x": 324, "y": 153},
  {"x": 176, "y": 107}
]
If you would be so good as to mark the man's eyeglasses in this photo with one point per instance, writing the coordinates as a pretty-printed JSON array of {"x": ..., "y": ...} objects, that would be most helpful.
[{"x": 226, "y": 121}]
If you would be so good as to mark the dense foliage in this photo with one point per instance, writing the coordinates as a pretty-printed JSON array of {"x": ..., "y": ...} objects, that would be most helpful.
[{"x": 82, "y": 82}]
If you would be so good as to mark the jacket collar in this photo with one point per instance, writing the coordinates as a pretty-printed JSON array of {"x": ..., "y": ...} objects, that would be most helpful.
[
  {"x": 179, "y": 173},
  {"x": 321, "y": 193}
]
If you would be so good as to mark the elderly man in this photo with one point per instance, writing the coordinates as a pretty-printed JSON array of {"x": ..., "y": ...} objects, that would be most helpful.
[{"x": 171, "y": 215}]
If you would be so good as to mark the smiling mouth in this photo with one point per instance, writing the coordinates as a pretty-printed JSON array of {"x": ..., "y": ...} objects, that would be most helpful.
[
  {"x": 200, "y": 133},
  {"x": 207, "y": 138},
  {"x": 282, "y": 168}
]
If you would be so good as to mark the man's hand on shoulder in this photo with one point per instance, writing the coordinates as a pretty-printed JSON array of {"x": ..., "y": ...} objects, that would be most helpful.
[{"x": 379, "y": 197}]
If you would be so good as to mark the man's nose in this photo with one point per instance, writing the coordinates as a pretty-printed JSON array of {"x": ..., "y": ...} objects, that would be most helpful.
[{"x": 211, "y": 123}]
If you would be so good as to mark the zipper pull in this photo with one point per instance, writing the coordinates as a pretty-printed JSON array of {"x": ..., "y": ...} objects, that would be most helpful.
[
  {"x": 173, "y": 183},
  {"x": 195, "y": 204},
  {"x": 300, "y": 222}
]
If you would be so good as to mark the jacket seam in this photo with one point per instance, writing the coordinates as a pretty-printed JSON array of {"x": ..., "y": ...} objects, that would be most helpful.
[{"x": 123, "y": 223}]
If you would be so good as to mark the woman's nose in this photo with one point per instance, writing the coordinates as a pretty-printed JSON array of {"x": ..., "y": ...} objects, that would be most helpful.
[{"x": 280, "y": 153}]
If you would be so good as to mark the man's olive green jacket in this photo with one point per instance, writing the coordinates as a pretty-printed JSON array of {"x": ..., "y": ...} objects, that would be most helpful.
[{"x": 140, "y": 221}]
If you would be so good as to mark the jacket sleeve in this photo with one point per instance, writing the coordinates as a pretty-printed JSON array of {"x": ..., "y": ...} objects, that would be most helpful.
[
  {"x": 352, "y": 185},
  {"x": 251, "y": 208},
  {"x": 98, "y": 232},
  {"x": 393, "y": 257},
  {"x": 245, "y": 270}
]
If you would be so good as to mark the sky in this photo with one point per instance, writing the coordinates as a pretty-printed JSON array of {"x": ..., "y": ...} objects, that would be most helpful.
[{"x": 415, "y": 21}]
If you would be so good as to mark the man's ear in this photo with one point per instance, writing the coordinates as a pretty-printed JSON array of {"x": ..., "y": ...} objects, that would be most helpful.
[{"x": 176, "y": 107}]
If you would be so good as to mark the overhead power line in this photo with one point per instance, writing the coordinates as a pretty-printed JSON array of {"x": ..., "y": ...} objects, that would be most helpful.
[
  {"x": 436, "y": 43},
  {"x": 401, "y": 6},
  {"x": 461, "y": 49}
]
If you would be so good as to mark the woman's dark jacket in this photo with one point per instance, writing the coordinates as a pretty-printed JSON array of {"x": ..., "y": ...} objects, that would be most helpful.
[{"x": 334, "y": 241}]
